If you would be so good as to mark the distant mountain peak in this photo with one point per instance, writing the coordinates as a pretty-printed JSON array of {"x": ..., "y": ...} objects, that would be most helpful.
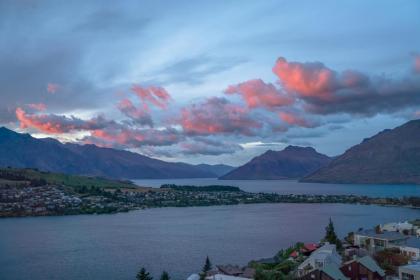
[
  {"x": 291, "y": 162},
  {"x": 299, "y": 148},
  {"x": 48, "y": 154}
]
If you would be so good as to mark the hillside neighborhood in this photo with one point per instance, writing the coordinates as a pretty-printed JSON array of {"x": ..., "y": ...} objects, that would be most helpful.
[{"x": 388, "y": 251}]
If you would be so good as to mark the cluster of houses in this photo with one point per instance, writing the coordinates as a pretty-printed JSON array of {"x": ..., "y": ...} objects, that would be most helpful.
[
  {"x": 35, "y": 200},
  {"x": 53, "y": 200},
  {"x": 355, "y": 262}
]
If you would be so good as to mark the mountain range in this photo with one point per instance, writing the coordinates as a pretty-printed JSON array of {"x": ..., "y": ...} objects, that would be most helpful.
[
  {"x": 47, "y": 154},
  {"x": 390, "y": 157},
  {"x": 292, "y": 162}
]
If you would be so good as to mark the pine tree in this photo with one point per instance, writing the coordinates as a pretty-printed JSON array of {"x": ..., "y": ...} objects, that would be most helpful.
[
  {"x": 165, "y": 276},
  {"x": 206, "y": 268},
  {"x": 331, "y": 236},
  {"x": 143, "y": 275}
]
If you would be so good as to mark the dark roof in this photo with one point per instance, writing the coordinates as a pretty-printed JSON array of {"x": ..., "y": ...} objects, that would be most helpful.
[
  {"x": 248, "y": 272},
  {"x": 230, "y": 269}
]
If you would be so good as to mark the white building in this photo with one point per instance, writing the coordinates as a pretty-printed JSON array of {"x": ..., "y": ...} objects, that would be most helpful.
[
  {"x": 319, "y": 259},
  {"x": 411, "y": 248},
  {"x": 409, "y": 272},
  {"x": 377, "y": 241},
  {"x": 400, "y": 226}
]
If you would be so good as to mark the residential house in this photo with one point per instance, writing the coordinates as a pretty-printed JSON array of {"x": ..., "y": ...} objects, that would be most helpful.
[
  {"x": 328, "y": 272},
  {"x": 354, "y": 251},
  {"x": 320, "y": 258},
  {"x": 234, "y": 270},
  {"x": 362, "y": 268},
  {"x": 400, "y": 227},
  {"x": 409, "y": 272},
  {"x": 308, "y": 248},
  {"x": 411, "y": 248},
  {"x": 375, "y": 241}
]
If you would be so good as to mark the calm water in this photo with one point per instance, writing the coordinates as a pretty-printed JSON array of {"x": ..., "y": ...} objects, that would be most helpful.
[
  {"x": 174, "y": 239},
  {"x": 294, "y": 187}
]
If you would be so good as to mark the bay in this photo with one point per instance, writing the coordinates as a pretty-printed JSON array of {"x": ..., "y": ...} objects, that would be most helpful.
[{"x": 173, "y": 239}]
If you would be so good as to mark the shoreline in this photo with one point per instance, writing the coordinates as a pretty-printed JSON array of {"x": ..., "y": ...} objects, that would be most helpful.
[{"x": 257, "y": 198}]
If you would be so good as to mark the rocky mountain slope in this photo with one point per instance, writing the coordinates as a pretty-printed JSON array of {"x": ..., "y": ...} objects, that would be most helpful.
[{"x": 292, "y": 162}]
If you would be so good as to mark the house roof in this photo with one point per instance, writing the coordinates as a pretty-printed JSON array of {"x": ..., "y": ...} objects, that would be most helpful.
[
  {"x": 320, "y": 254},
  {"x": 294, "y": 254},
  {"x": 414, "y": 266},
  {"x": 227, "y": 277},
  {"x": 311, "y": 246},
  {"x": 390, "y": 235},
  {"x": 370, "y": 264},
  {"x": 413, "y": 242},
  {"x": 248, "y": 273},
  {"x": 230, "y": 269},
  {"x": 334, "y": 272}
]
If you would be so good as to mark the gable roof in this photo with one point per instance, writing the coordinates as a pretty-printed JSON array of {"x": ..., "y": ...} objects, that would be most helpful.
[
  {"x": 334, "y": 272},
  {"x": 311, "y": 246},
  {"x": 370, "y": 264}
]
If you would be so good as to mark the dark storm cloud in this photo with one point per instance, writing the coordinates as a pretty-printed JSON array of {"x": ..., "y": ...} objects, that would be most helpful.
[{"x": 58, "y": 43}]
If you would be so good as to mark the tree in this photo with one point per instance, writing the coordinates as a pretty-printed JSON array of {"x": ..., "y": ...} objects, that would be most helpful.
[
  {"x": 206, "y": 268},
  {"x": 143, "y": 275},
  {"x": 165, "y": 276},
  {"x": 330, "y": 235},
  {"x": 259, "y": 274}
]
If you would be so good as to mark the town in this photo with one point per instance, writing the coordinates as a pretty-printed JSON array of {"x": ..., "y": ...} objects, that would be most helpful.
[
  {"x": 39, "y": 198},
  {"x": 388, "y": 251}
]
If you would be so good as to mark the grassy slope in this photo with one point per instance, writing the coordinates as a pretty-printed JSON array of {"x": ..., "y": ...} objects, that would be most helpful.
[{"x": 64, "y": 179}]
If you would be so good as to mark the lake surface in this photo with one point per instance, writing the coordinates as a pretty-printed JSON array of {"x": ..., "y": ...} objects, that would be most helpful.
[
  {"x": 174, "y": 239},
  {"x": 294, "y": 187}
]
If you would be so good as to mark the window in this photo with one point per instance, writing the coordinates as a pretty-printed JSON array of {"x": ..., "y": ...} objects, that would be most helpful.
[
  {"x": 379, "y": 242},
  {"x": 407, "y": 276}
]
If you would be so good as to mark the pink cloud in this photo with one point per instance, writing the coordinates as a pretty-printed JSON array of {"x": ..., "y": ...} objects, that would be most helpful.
[
  {"x": 55, "y": 124},
  {"x": 257, "y": 93},
  {"x": 52, "y": 88},
  {"x": 295, "y": 120},
  {"x": 138, "y": 115},
  {"x": 215, "y": 116},
  {"x": 37, "y": 106},
  {"x": 125, "y": 137},
  {"x": 306, "y": 79},
  {"x": 157, "y": 96}
]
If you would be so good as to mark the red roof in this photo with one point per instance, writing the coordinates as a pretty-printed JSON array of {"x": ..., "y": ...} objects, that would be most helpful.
[
  {"x": 294, "y": 254},
  {"x": 311, "y": 246}
]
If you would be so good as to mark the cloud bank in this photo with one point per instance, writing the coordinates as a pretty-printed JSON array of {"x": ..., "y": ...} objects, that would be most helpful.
[{"x": 305, "y": 95}]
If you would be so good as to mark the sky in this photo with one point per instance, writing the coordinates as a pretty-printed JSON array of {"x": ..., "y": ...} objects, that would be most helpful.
[{"x": 209, "y": 81}]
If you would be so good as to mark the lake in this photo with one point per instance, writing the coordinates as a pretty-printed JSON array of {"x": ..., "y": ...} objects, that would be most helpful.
[
  {"x": 294, "y": 187},
  {"x": 175, "y": 239}
]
